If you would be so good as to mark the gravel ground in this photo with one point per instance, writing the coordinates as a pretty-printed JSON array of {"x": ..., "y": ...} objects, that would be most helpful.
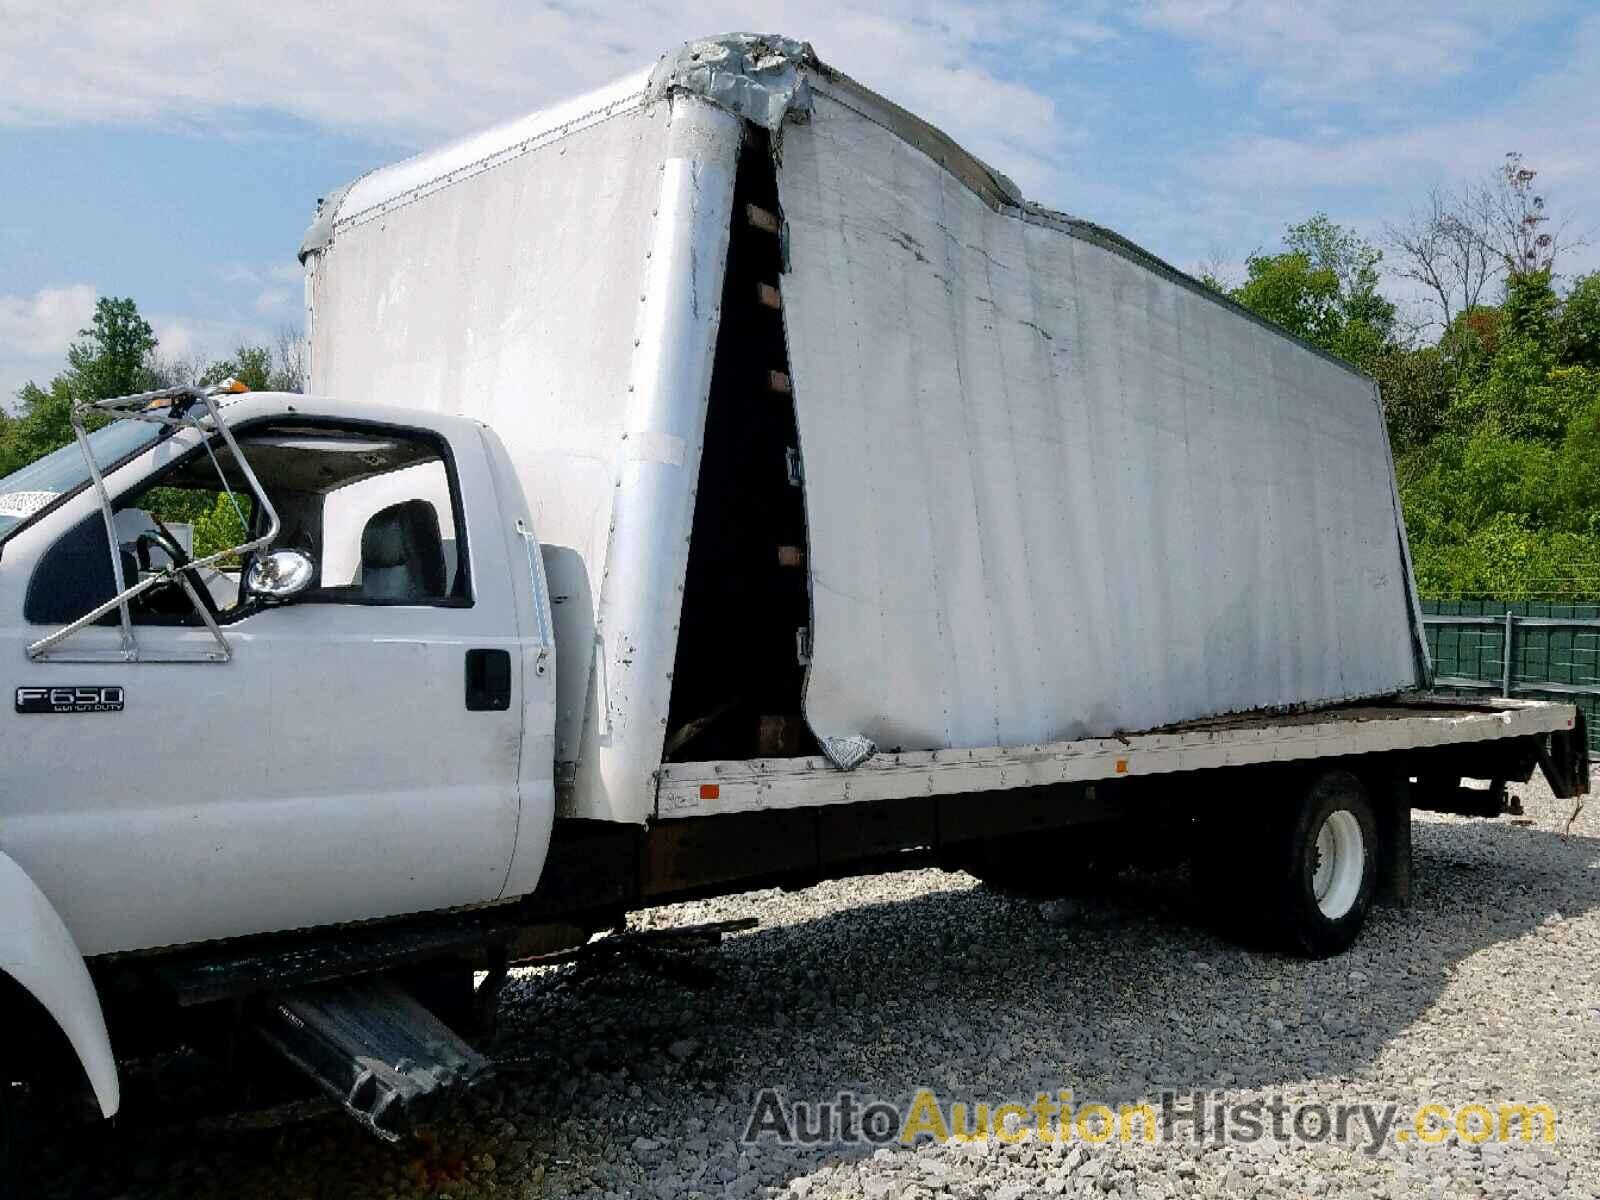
[{"x": 628, "y": 1084}]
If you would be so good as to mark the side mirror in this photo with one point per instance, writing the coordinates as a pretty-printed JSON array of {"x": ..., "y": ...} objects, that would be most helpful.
[{"x": 279, "y": 574}]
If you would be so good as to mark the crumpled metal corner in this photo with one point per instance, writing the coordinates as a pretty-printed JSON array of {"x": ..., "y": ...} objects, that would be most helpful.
[
  {"x": 320, "y": 231},
  {"x": 848, "y": 753},
  {"x": 755, "y": 76}
]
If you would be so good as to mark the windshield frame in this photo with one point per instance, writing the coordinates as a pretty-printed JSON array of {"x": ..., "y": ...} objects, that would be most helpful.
[{"x": 162, "y": 432}]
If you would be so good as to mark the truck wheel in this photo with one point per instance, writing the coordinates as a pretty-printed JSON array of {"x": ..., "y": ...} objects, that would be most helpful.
[{"x": 1326, "y": 867}]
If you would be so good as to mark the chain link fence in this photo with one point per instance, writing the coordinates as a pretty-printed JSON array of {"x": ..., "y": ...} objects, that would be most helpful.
[{"x": 1541, "y": 650}]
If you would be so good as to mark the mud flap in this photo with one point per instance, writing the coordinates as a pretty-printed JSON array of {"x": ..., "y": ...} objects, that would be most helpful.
[
  {"x": 37, "y": 950},
  {"x": 1565, "y": 761},
  {"x": 374, "y": 1048},
  {"x": 1391, "y": 807}
]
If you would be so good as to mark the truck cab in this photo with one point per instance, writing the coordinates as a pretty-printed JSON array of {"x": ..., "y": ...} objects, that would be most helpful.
[{"x": 369, "y": 739}]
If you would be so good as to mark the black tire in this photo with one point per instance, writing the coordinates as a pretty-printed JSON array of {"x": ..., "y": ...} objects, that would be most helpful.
[
  {"x": 1257, "y": 875},
  {"x": 1336, "y": 800}
]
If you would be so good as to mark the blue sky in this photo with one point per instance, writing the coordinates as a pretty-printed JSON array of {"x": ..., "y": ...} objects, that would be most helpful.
[{"x": 173, "y": 152}]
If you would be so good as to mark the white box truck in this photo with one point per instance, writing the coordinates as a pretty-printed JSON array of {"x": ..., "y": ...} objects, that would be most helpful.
[{"x": 727, "y": 480}]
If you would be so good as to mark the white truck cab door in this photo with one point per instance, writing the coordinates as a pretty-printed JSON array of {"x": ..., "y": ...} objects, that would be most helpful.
[{"x": 357, "y": 756}]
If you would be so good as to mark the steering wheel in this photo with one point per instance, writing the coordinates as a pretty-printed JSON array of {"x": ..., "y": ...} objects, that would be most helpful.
[{"x": 162, "y": 536}]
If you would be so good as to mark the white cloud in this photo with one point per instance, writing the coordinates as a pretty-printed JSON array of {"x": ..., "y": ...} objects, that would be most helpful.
[
  {"x": 180, "y": 337},
  {"x": 1552, "y": 120},
  {"x": 1331, "y": 51},
  {"x": 35, "y": 332},
  {"x": 188, "y": 338},
  {"x": 416, "y": 71},
  {"x": 46, "y": 321},
  {"x": 1339, "y": 87},
  {"x": 274, "y": 293}
]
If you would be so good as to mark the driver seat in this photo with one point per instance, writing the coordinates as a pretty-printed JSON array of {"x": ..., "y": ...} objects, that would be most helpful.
[{"x": 402, "y": 554}]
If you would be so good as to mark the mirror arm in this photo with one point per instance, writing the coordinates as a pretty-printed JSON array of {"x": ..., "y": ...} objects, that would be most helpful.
[
  {"x": 40, "y": 649},
  {"x": 126, "y": 621},
  {"x": 274, "y": 525},
  {"x": 224, "y": 651}
]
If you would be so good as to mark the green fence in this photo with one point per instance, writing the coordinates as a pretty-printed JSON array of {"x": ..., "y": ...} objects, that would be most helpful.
[{"x": 1528, "y": 648}]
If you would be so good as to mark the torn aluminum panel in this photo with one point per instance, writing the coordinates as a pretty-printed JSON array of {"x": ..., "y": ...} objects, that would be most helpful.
[
  {"x": 1053, "y": 492},
  {"x": 759, "y": 77},
  {"x": 848, "y": 753},
  {"x": 320, "y": 232}
]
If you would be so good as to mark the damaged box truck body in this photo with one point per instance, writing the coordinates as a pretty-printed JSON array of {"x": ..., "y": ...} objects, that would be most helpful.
[
  {"x": 721, "y": 480},
  {"x": 1045, "y": 487}
]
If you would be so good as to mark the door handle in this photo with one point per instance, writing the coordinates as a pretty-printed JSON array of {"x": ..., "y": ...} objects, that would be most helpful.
[{"x": 488, "y": 680}]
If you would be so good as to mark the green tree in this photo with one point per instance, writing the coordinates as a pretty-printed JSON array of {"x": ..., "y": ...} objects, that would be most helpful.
[
  {"x": 1416, "y": 386},
  {"x": 1471, "y": 341},
  {"x": 1502, "y": 496},
  {"x": 1519, "y": 391},
  {"x": 277, "y": 368},
  {"x": 1323, "y": 288},
  {"x": 1530, "y": 309},
  {"x": 1578, "y": 327},
  {"x": 222, "y": 525},
  {"x": 10, "y": 454},
  {"x": 44, "y": 423},
  {"x": 1289, "y": 291},
  {"x": 111, "y": 359},
  {"x": 250, "y": 365},
  {"x": 1578, "y": 467},
  {"x": 1355, "y": 263}
]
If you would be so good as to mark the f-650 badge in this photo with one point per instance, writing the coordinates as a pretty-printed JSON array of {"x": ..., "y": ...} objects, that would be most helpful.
[{"x": 48, "y": 700}]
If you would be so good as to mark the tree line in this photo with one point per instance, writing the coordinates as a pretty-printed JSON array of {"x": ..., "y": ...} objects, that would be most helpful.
[
  {"x": 118, "y": 354},
  {"x": 1490, "y": 378}
]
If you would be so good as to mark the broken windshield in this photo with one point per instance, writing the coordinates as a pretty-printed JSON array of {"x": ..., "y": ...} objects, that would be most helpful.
[{"x": 29, "y": 490}]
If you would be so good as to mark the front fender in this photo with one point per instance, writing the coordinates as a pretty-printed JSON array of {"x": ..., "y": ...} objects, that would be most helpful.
[{"x": 38, "y": 952}]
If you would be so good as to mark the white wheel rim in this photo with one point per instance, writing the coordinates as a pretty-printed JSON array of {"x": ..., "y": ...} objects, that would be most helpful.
[{"x": 1341, "y": 862}]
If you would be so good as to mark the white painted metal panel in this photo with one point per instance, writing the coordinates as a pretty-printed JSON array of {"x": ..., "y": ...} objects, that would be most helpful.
[
  {"x": 37, "y": 950},
  {"x": 1053, "y": 493},
  {"x": 564, "y": 287},
  {"x": 658, "y": 466},
  {"x": 377, "y": 192},
  {"x": 331, "y": 771},
  {"x": 512, "y": 297}
]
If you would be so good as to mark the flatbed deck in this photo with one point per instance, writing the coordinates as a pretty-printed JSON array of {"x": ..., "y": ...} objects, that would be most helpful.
[{"x": 1414, "y": 722}]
